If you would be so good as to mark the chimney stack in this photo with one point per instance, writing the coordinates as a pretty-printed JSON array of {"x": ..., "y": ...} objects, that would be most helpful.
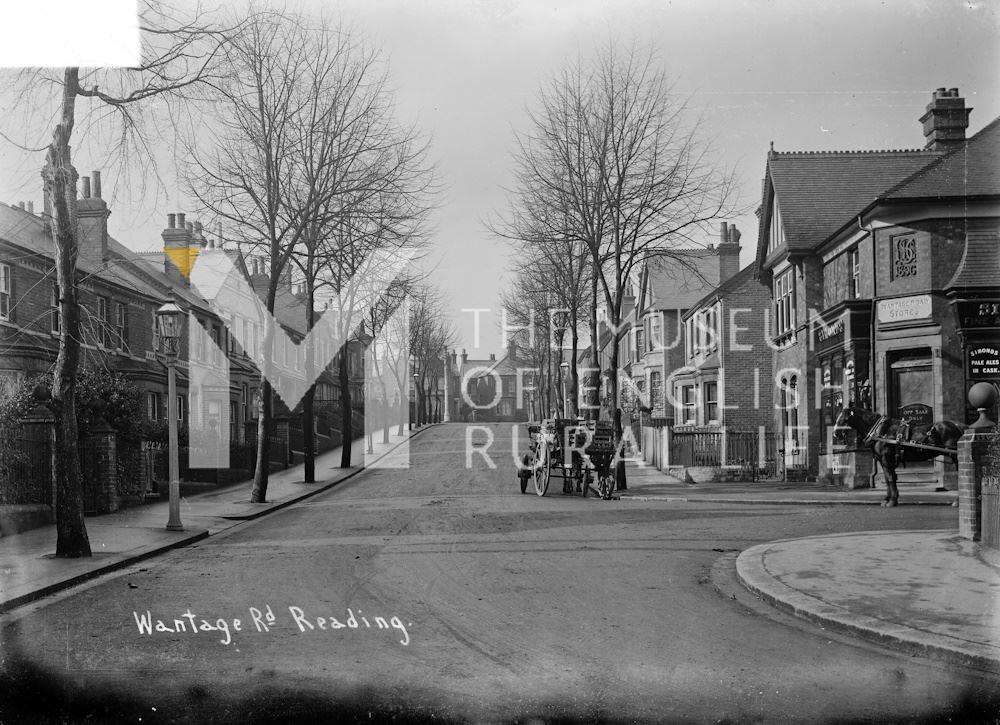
[
  {"x": 945, "y": 120},
  {"x": 92, "y": 226},
  {"x": 176, "y": 237},
  {"x": 729, "y": 251}
]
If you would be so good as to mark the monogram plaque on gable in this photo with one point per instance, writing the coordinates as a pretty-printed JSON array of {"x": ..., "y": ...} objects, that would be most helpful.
[{"x": 904, "y": 256}]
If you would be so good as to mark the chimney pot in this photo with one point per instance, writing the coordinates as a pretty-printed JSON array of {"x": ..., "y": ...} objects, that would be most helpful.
[
  {"x": 20, "y": 205},
  {"x": 171, "y": 221},
  {"x": 945, "y": 120},
  {"x": 31, "y": 207},
  {"x": 190, "y": 227},
  {"x": 180, "y": 220},
  {"x": 197, "y": 227},
  {"x": 724, "y": 232},
  {"x": 97, "y": 183},
  {"x": 86, "y": 186}
]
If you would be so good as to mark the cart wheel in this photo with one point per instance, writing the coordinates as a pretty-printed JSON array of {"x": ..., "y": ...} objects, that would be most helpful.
[
  {"x": 525, "y": 472},
  {"x": 542, "y": 472},
  {"x": 606, "y": 484}
]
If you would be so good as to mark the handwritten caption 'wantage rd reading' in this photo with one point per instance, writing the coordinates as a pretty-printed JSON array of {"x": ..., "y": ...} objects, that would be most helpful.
[{"x": 265, "y": 620}]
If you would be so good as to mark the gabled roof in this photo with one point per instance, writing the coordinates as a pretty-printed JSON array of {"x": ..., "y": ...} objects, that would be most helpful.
[
  {"x": 139, "y": 272},
  {"x": 819, "y": 191},
  {"x": 728, "y": 286},
  {"x": 971, "y": 170},
  {"x": 677, "y": 283}
]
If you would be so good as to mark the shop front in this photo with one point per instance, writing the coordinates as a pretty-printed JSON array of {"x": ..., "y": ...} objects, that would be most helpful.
[
  {"x": 979, "y": 327},
  {"x": 843, "y": 346},
  {"x": 918, "y": 374}
]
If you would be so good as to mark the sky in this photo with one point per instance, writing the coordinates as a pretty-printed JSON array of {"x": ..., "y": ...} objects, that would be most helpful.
[{"x": 847, "y": 75}]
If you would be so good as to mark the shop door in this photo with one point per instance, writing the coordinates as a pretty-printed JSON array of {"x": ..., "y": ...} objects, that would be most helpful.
[
  {"x": 911, "y": 390},
  {"x": 911, "y": 382}
]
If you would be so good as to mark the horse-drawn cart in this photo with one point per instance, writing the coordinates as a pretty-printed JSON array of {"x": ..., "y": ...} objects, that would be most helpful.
[{"x": 574, "y": 450}]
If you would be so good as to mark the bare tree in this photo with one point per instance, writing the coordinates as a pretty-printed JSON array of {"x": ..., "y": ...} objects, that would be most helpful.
[
  {"x": 611, "y": 150},
  {"x": 432, "y": 334},
  {"x": 250, "y": 165},
  {"x": 553, "y": 282},
  {"x": 179, "y": 54}
]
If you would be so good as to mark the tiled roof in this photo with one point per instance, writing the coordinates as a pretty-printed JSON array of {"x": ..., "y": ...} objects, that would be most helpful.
[
  {"x": 723, "y": 289},
  {"x": 679, "y": 283},
  {"x": 971, "y": 170},
  {"x": 980, "y": 265},
  {"x": 818, "y": 192},
  {"x": 140, "y": 272}
]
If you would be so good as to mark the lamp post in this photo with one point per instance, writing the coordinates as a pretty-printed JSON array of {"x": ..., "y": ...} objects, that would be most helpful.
[
  {"x": 416, "y": 401},
  {"x": 168, "y": 322},
  {"x": 446, "y": 413},
  {"x": 564, "y": 366}
]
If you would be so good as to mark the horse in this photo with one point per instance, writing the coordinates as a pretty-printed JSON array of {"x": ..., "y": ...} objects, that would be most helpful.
[{"x": 870, "y": 425}]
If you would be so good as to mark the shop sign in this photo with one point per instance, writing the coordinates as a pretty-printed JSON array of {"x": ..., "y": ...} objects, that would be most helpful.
[
  {"x": 917, "y": 414},
  {"x": 978, "y": 314},
  {"x": 900, "y": 309},
  {"x": 984, "y": 362}
]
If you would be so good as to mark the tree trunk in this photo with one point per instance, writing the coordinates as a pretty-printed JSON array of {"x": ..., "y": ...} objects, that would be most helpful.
[
  {"x": 593, "y": 398},
  {"x": 346, "y": 424},
  {"x": 60, "y": 187},
  {"x": 308, "y": 422},
  {"x": 575, "y": 374},
  {"x": 258, "y": 494}
]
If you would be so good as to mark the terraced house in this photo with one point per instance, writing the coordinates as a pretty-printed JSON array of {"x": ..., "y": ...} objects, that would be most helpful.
[{"x": 119, "y": 290}]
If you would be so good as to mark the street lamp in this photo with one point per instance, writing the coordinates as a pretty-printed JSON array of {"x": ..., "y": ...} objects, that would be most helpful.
[
  {"x": 416, "y": 401},
  {"x": 565, "y": 368},
  {"x": 168, "y": 325}
]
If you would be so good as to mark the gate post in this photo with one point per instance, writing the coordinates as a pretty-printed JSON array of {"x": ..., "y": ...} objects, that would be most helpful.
[
  {"x": 103, "y": 442},
  {"x": 972, "y": 449}
]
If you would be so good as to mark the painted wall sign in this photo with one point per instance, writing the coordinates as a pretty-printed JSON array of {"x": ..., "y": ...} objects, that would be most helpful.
[
  {"x": 984, "y": 362},
  {"x": 900, "y": 309},
  {"x": 978, "y": 313}
]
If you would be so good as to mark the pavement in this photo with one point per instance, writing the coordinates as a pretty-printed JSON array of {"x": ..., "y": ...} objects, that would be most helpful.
[
  {"x": 930, "y": 593},
  {"x": 923, "y": 592},
  {"x": 30, "y": 571}
]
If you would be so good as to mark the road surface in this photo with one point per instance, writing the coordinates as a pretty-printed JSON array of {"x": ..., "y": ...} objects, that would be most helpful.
[{"x": 440, "y": 593}]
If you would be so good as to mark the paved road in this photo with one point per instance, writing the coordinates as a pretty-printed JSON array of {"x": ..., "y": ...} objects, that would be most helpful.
[{"x": 441, "y": 593}]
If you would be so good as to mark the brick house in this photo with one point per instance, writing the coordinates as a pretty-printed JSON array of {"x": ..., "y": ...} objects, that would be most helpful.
[
  {"x": 119, "y": 290},
  {"x": 495, "y": 387},
  {"x": 859, "y": 250},
  {"x": 650, "y": 337},
  {"x": 897, "y": 280},
  {"x": 722, "y": 384}
]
